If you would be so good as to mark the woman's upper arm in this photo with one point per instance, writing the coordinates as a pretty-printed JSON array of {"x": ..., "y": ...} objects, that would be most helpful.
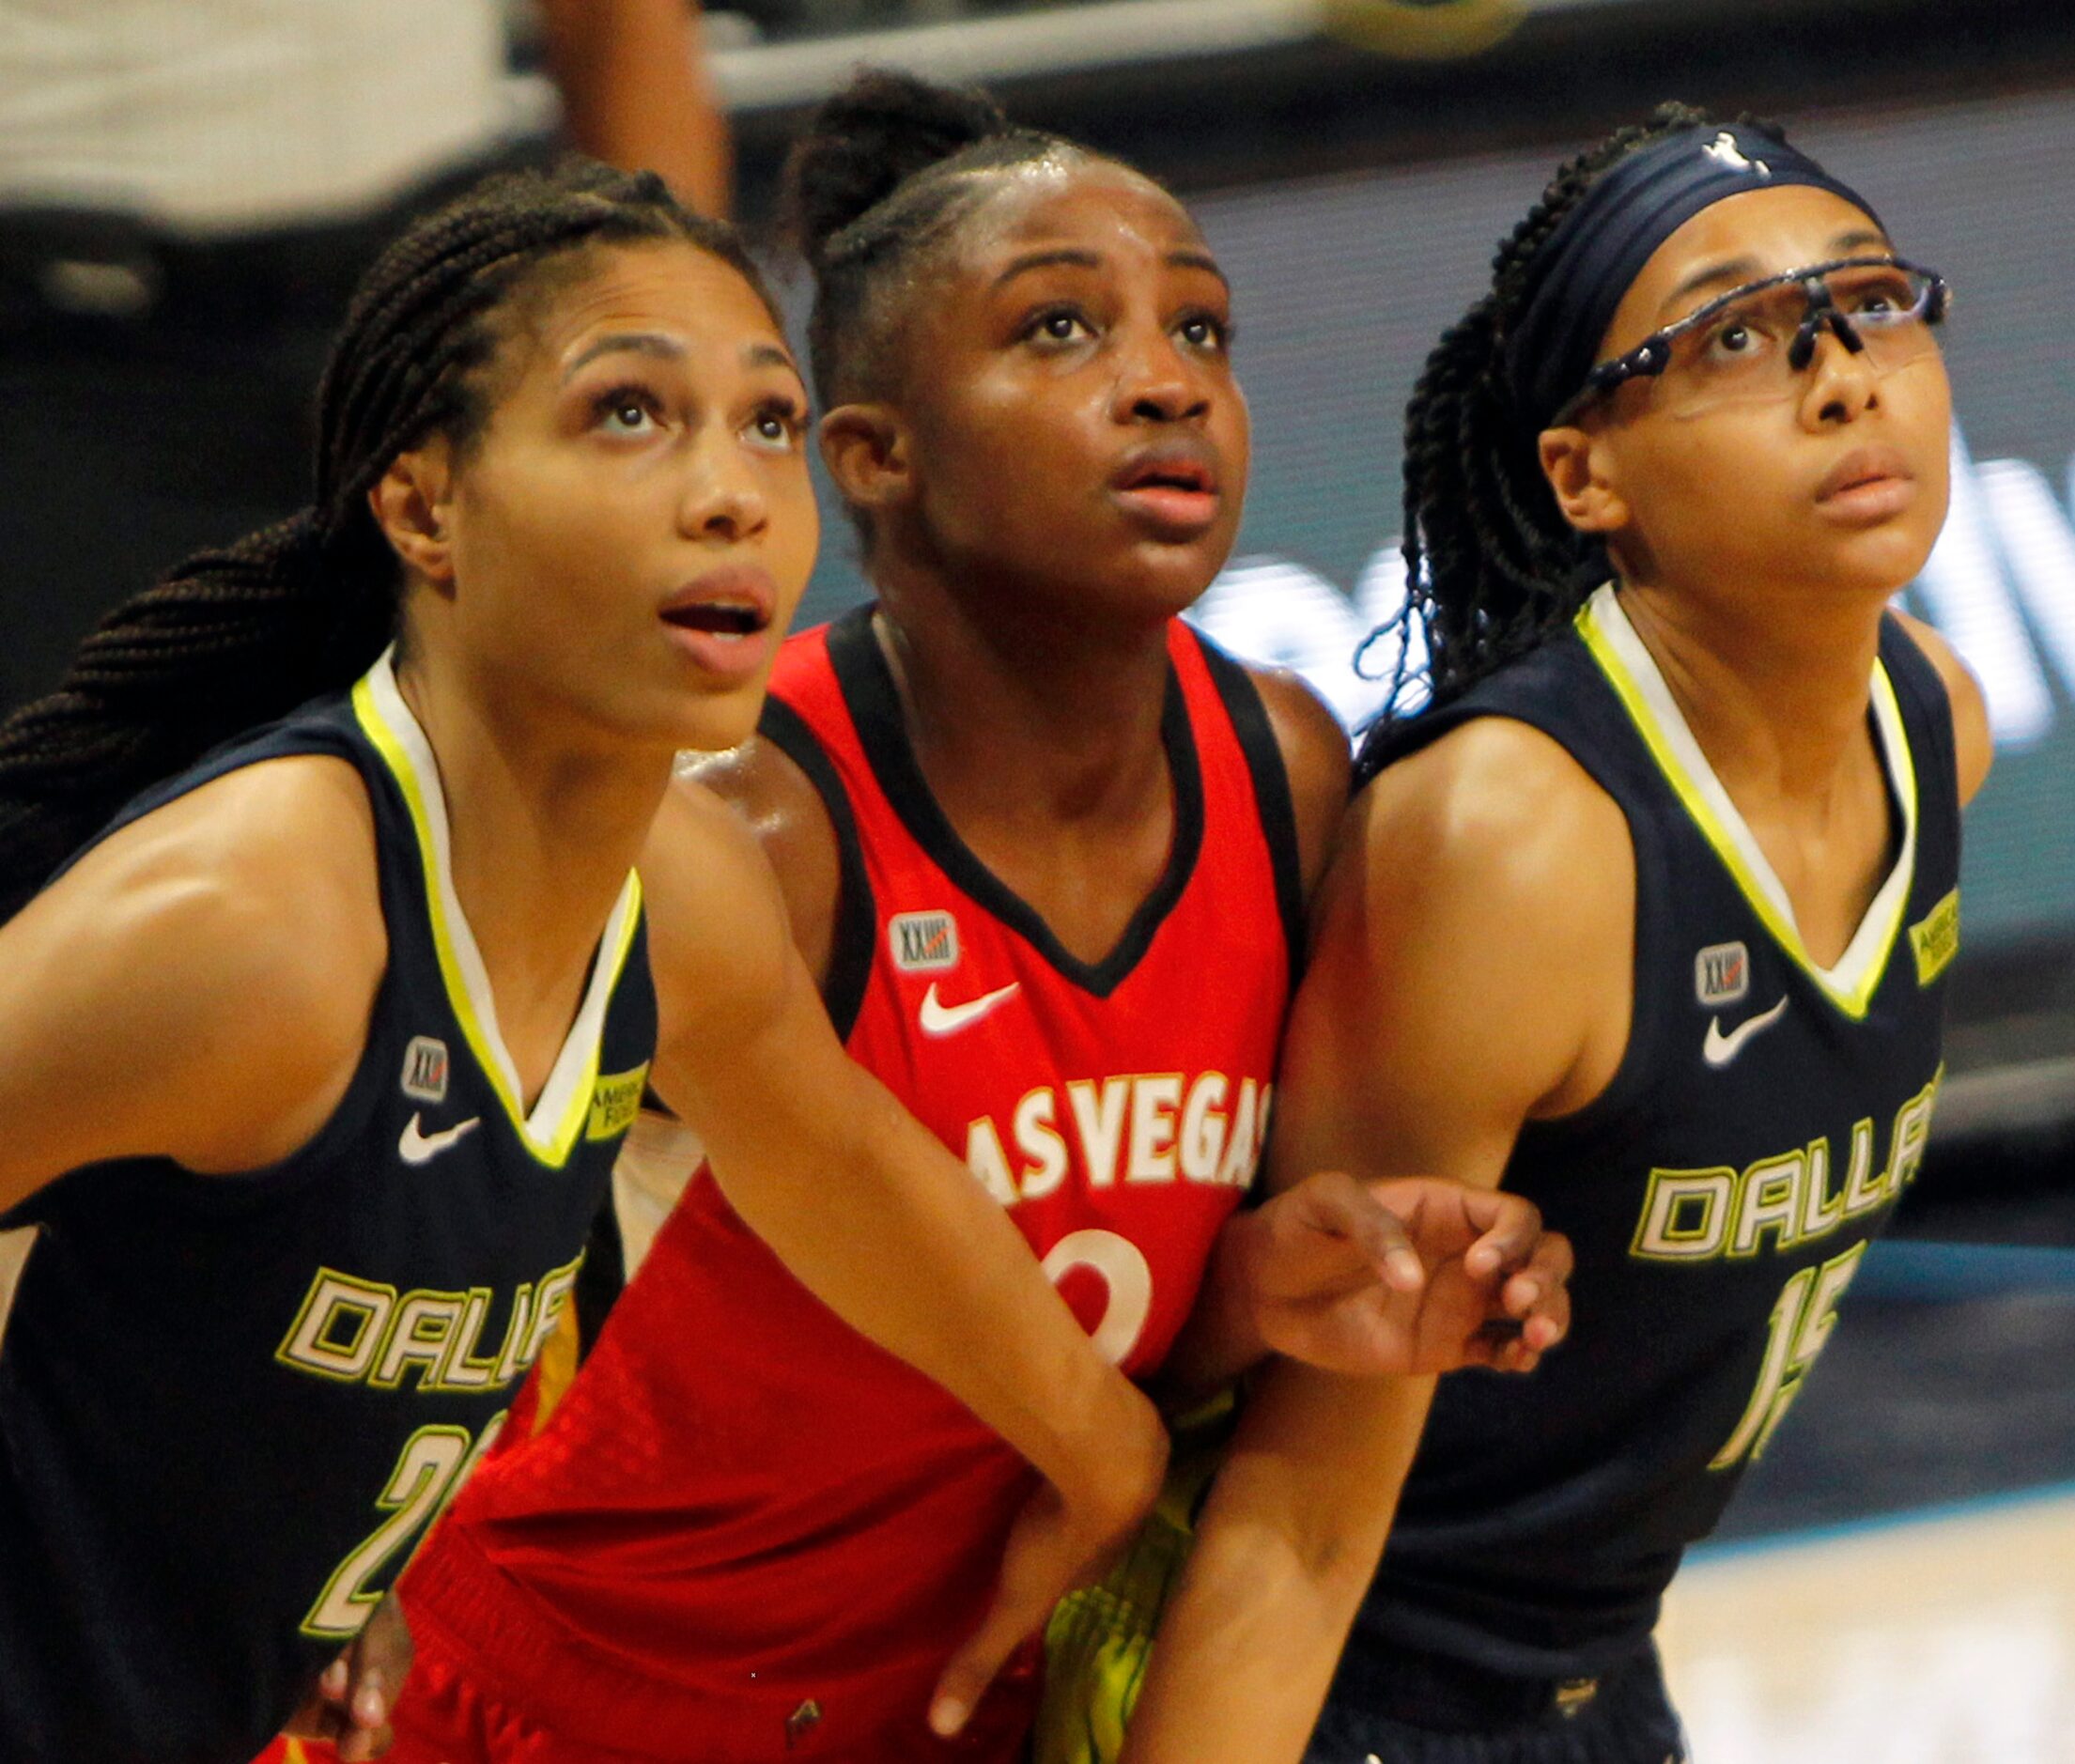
[
  {"x": 199, "y": 986},
  {"x": 762, "y": 784},
  {"x": 1470, "y": 963},
  {"x": 1470, "y": 958},
  {"x": 720, "y": 942}
]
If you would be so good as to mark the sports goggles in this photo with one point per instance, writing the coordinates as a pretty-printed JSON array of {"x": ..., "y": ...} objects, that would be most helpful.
[{"x": 1751, "y": 345}]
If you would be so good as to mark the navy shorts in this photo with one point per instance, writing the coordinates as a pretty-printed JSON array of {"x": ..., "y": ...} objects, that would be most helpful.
[{"x": 1418, "y": 1710}]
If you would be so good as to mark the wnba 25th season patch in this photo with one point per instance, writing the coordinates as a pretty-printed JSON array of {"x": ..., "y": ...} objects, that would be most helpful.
[
  {"x": 923, "y": 943},
  {"x": 1722, "y": 973},
  {"x": 426, "y": 1069}
]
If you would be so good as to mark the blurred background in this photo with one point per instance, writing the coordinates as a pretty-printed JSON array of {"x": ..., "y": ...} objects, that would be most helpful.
[{"x": 189, "y": 187}]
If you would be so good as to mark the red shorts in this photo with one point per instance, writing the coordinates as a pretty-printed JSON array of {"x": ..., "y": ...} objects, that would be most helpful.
[
  {"x": 446, "y": 1719},
  {"x": 497, "y": 1680},
  {"x": 448, "y": 1716}
]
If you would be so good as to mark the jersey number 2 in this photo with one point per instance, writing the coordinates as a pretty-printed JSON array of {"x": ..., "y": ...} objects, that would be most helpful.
[
  {"x": 430, "y": 1469},
  {"x": 1801, "y": 1321}
]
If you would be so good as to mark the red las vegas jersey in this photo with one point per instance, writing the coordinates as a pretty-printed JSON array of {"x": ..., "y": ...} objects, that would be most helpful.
[{"x": 746, "y": 1531}]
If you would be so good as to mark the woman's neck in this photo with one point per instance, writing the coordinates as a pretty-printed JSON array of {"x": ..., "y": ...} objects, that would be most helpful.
[
  {"x": 1776, "y": 694},
  {"x": 541, "y": 830},
  {"x": 1020, "y": 717}
]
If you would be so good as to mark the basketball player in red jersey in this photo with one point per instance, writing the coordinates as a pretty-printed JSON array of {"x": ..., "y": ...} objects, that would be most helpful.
[{"x": 1048, "y": 851}]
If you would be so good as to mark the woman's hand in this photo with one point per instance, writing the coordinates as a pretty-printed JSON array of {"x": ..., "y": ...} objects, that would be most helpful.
[
  {"x": 1411, "y": 1275},
  {"x": 1056, "y": 1545},
  {"x": 349, "y": 1705}
]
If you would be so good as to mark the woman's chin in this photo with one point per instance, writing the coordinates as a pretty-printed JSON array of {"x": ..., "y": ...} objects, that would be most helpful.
[
  {"x": 715, "y": 724},
  {"x": 1880, "y": 564}
]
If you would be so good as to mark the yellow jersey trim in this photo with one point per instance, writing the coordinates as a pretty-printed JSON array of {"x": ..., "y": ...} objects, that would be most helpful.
[
  {"x": 559, "y": 1115},
  {"x": 1853, "y": 983}
]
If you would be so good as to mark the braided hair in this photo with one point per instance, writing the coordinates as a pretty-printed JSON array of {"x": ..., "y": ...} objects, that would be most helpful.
[
  {"x": 1492, "y": 567},
  {"x": 235, "y": 638}
]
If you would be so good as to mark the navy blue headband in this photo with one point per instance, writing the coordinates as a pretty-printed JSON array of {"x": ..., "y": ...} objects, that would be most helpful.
[{"x": 1585, "y": 265}]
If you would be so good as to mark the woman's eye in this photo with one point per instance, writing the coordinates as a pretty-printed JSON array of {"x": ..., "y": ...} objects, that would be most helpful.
[
  {"x": 1204, "y": 330},
  {"x": 1060, "y": 325},
  {"x": 1877, "y": 295},
  {"x": 1736, "y": 339},
  {"x": 624, "y": 412},
  {"x": 777, "y": 429}
]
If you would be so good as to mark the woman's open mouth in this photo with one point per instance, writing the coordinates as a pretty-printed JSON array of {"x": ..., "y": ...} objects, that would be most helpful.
[
  {"x": 722, "y": 620},
  {"x": 1170, "y": 488},
  {"x": 721, "y": 617}
]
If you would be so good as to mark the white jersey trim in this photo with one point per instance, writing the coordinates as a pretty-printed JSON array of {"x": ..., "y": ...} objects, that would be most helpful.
[
  {"x": 1851, "y": 981},
  {"x": 550, "y": 1128}
]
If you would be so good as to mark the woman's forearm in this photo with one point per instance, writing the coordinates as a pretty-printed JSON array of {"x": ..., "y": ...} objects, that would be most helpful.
[
  {"x": 637, "y": 93},
  {"x": 876, "y": 1217},
  {"x": 1286, "y": 1547},
  {"x": 1221, "y": 1340},
  {"x": 1085, "y": 1417}
]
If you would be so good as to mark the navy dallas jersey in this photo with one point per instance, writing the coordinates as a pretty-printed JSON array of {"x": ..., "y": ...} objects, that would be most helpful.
[
  {"x": 1765, "y": 1119},
  {"x": 231, "y": 1405}
]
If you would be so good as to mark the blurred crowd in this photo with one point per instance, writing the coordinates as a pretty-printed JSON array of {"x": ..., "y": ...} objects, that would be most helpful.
[{"x": 188, "y": 190}]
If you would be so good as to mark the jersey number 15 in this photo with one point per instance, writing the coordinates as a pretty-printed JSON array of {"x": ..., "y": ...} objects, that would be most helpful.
[{"x": 1801, "y": 1321}]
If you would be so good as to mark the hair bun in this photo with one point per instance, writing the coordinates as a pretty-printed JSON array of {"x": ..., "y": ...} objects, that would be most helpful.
[{"x": 869, "y": 139}]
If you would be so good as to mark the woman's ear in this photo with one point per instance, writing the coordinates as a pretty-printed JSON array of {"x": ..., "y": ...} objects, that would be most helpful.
[
  {"x": 866, "y": 449},
  {"x": 1584, "y": 480},
  {"x": 411, "y": 502}
]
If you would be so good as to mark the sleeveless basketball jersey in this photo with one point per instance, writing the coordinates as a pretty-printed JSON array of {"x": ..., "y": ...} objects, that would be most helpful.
[
  {"x": 229, "y": 1405},
  {"x": 1765, "y": 1119},
  {"x": 747, "y": 1533}
]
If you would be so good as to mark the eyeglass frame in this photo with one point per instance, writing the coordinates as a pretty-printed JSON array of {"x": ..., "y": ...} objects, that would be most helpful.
[{"x": 1649, "y": 358}]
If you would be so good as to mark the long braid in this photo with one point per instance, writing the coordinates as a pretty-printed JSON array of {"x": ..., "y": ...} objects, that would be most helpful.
[
  {"x": 235, "y": 638},
  {"x": 1491, "y": 567}
]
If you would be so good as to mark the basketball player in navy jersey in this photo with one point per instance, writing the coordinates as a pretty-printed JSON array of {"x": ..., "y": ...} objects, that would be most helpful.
[
  {"x": 1048, "y": 849},
  {"x": 1647, "y": 915},
  {"x": 317, "y": 1060}
]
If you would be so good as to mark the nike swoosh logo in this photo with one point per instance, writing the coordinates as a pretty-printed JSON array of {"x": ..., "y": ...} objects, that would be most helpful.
[
  {"x": 419, "y": 1147},
  {"x": 947, "y": 1019},
  {"x": 1719, "y": 1049}
]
